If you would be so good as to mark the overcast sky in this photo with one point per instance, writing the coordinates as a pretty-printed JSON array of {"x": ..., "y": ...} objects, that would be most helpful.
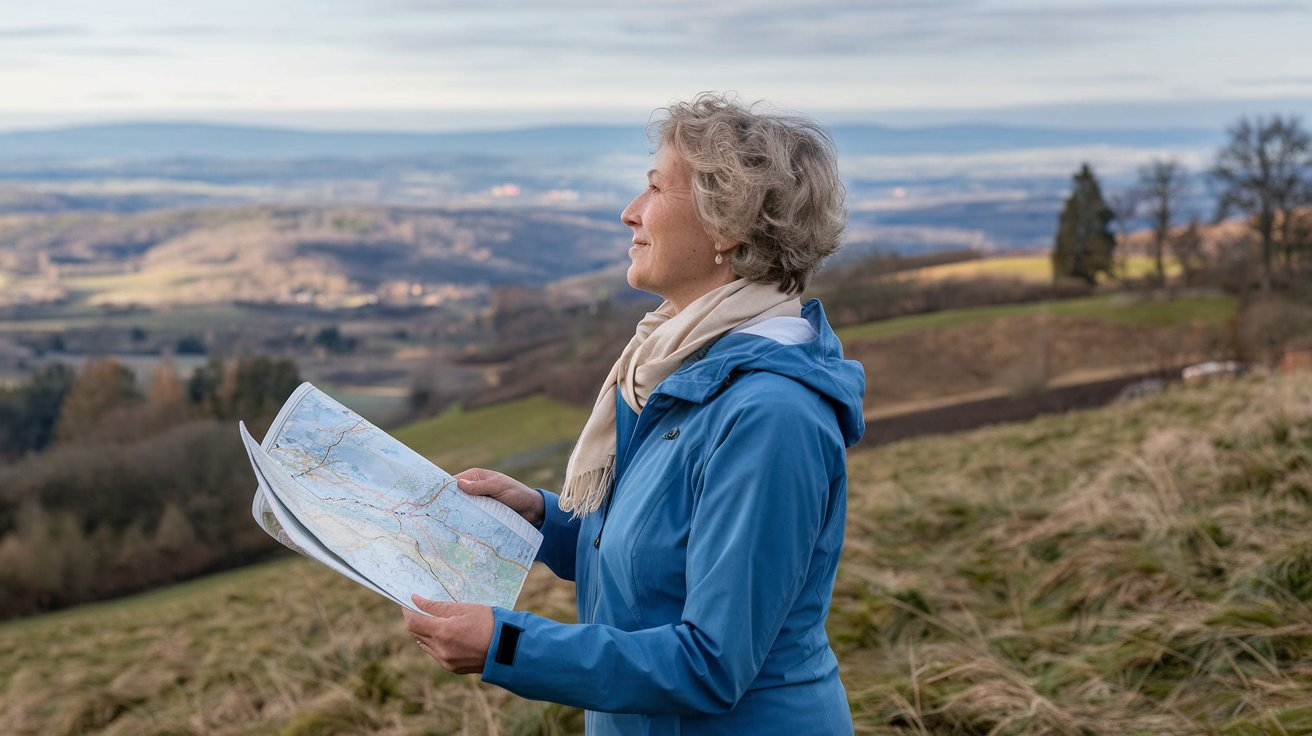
[{"x": 468, "y": 63}]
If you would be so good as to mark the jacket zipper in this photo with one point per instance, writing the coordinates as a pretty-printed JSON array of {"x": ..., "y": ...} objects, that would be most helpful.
[{"x": 634, "y": 440}]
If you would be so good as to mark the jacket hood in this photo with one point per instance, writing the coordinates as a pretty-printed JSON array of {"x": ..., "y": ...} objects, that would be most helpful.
[{"x": 817, "y": 363}]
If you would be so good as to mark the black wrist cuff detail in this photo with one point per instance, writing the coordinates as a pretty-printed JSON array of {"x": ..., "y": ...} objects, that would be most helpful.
[{"x": 508, "y": 644}]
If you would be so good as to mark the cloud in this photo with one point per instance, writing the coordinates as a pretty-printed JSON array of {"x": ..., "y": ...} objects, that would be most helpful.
[
  {"x": 1115, "y": 14},
  {"x": 206, "y": 96},
  {"x": 1117, "y": 78},
  {"x": 677, "y": 32},
  {"x": 187, "y": 31},
  {"x": 1272, "y": 81},
  {"x": 120, "y": 52},
  {"x": 690, "y": 30},
  {"x": 21, "y": 33},
  {"x": 116, "y": 96},
  {"x": 889, "y": 54}
]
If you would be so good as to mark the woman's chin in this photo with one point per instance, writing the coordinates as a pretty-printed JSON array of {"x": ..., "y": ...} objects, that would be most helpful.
[{"x": 635, "y": 277}]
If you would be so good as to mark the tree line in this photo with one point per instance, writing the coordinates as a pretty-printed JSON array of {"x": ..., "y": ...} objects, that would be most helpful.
[
  {"x": 1263, "y": 173},
  {"x": 108, "y": 488}
]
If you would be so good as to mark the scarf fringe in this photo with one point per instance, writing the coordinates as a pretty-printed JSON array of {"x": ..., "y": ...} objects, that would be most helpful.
[{"x": 584, "y": 492}]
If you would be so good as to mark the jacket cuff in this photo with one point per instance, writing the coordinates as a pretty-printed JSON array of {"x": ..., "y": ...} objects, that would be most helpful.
[
  {"x": 507, "y": 627},
  {"x": 553, "y": 514}
]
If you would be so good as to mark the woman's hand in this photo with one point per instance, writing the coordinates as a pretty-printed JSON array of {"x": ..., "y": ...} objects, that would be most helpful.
[
  {"x": 457, "y": 635},
  {"x": 520, "y": 498}
]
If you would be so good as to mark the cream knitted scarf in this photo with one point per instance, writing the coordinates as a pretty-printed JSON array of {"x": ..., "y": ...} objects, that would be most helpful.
[{"x": 662, "y": 341}]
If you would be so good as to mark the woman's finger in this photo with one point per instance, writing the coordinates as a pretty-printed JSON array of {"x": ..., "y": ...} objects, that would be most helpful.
[
  {"x": 437, "y": 609},
  {"x": 475, "y": 474}
]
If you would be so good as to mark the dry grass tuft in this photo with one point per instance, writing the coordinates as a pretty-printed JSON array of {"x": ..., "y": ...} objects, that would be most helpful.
[{"x": 1139, "y": 569}]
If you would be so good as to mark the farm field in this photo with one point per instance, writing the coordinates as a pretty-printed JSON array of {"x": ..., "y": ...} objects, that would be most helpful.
[
  {"x": 1032, "y": 268},
  {"x": 177, "y": 321},
  {"x": 948, "y": 357},
  {"x": 1122, "y": 309},
  {"x": 1137, "y": 569}
]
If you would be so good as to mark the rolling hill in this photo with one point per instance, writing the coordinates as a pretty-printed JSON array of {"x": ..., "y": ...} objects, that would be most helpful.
[
  {"x": 295, "y": 254},
  {"x": 1138, "y": 569}
]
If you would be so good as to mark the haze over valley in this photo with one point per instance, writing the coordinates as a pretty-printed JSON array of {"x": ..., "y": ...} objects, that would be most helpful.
[{"x": 78, "y": 197}]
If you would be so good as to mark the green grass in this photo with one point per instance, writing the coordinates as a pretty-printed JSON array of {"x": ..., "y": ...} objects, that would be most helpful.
[
  {"x": 379, "y": 407},
  {"x": 1116, "y": 308},
  {"x": 1210, "y": 309},
  {"x": 529, "y": 437},
  {"x": 1138, "y": 569}
]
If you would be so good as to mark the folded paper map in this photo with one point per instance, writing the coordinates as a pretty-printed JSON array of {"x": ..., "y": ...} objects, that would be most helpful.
[{"x": 339, "y": 490}]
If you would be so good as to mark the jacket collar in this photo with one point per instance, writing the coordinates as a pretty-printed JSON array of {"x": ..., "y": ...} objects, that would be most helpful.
[{"x": 817, "y": 363}]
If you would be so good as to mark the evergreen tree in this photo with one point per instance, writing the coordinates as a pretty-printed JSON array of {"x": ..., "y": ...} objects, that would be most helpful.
[
  {"x": 250, "y": 388},
  {"x": 28, "y": 412},
  {"x": 261, "y": 385},
  {"x": 1085, "y": 245}
]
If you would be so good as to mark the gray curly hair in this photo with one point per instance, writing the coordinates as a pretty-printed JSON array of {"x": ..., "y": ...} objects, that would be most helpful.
[{"x": 766, "y": 182}]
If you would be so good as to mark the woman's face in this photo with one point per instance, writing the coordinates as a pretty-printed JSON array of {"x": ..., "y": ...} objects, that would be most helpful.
[{"x": 673, "y": 255}]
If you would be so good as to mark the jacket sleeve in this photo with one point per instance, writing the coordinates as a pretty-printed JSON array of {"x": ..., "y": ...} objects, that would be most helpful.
[
  {"x": 560, "y": 535},
  {"x": 757, "y": 517}
]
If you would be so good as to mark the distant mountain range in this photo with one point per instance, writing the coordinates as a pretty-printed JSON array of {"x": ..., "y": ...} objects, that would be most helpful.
[
  {"x": 923, "y": 188},
  {"x": 156, "y": 141}
]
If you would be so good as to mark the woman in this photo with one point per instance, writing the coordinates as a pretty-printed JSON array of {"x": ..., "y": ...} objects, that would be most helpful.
[{"x": 702, "y": 515}]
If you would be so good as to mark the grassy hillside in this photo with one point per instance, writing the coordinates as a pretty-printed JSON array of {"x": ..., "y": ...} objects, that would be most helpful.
[
  {"x": 962, "y": 354},
  {"x": 1120, "y": 309},
  {"x": 530, "y": 438},
  {"x": 1140, "y": 569}
]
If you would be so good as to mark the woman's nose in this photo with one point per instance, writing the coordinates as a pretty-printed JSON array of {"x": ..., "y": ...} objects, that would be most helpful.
[{"x": 630, "y": 214}]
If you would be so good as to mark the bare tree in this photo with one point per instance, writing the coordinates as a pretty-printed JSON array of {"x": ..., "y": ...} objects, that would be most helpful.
[
  {"x": 1187, "y": 247},
  {"x": 1264, "y": 172},
  {"x": 1125, "y": 208},
  {"x": 1161, "y": 184}
]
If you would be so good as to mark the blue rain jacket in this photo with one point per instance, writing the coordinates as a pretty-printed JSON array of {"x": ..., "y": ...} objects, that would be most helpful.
[{"x": 704, "y": 580}]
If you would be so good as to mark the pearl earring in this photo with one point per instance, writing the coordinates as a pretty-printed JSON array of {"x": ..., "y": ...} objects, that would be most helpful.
[{"x": 719, "y": 259}]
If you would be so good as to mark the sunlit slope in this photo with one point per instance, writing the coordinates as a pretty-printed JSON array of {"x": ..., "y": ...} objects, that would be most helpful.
[
  {"x": 1035, "y": 268},
  {"x": 1143, "y": 568}
]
